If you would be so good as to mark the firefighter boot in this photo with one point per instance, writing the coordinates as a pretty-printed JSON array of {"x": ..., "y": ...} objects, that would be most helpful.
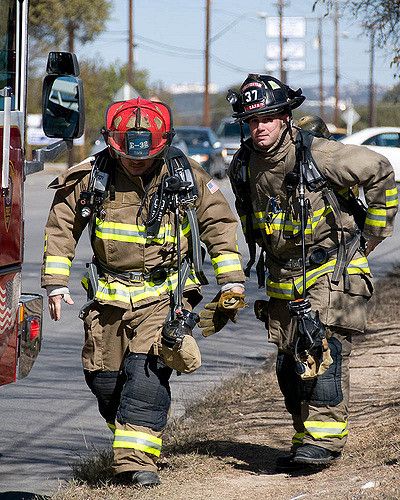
[
  {"x": 143, "y": 478},
  {"x": 309, "y": 454}
]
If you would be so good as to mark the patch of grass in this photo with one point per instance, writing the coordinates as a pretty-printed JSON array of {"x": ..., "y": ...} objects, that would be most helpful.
[
  {"x": 241, "y": 426},
  {"x": 384, "y": 305},
  {"x": 379, "y": 444},
  {"x": 95, "y": 470}
]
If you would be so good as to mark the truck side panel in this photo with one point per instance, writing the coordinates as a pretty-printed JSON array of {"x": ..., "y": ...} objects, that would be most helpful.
[
  {"x": 10, "y": 290},
  {"x": 11, "y": 224}
]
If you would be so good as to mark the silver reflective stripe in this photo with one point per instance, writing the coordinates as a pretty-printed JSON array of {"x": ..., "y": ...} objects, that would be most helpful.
[{"x": 136, "y": 440}]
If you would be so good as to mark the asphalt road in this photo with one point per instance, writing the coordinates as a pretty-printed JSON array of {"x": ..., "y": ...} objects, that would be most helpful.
[{"x": 50, "y": 419}]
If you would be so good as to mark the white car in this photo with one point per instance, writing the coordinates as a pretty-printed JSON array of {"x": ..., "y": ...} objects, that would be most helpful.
[
  {"x": 228, "y": 133},
  {"x": 383, "y": 140}
]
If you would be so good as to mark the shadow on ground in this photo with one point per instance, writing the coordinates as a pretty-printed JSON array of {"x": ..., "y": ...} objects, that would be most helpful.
[
  {"x": 21, "y": 495},
  {"x": 250, "y": 457}
]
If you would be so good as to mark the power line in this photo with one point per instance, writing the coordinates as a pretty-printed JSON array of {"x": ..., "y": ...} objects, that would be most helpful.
[
  {"x": 168, "y": 52},
  {"x": 169, "y": 46}
]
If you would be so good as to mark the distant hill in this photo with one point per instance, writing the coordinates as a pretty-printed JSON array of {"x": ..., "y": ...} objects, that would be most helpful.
[{"x": 188, "y": 107}]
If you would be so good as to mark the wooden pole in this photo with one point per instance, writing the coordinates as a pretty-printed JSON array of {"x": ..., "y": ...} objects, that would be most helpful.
[
  {"x": 130, "y": 45},
  {"x": 321, "y": 70},
  {"x": 336, "y": 24},
  {"x": 206, "y": 102}
]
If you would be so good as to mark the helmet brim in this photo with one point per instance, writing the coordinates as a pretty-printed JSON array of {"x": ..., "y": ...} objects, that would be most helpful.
[{"x": 270, "y": 110}]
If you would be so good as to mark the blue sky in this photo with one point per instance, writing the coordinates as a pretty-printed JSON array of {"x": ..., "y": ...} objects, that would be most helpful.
[{"x": 178, "y": 26}]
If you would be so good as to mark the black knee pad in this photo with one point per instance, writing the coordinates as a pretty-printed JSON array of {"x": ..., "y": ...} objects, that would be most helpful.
[
  {"x": 146, "y": 396},
  {"x": 326, "y": 389},
  {"x": 289, "y": 383},
  {"x": 107, "y": 387}
]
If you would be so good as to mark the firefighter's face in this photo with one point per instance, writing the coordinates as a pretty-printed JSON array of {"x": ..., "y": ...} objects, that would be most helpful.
[
  {"x": 265, "y": 130},
  {"x": 136, "y": 168}
]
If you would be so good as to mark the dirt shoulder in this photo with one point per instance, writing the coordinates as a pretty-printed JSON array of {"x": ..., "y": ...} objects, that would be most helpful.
[{"x": 226, "y": 445}]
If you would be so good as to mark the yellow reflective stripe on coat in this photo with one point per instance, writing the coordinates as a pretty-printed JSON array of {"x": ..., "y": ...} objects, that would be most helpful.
[
  {"x": 133, "y": 233},
  {"x": 57, "y": 265},
  {"x": 277, "y": 222},
  {"x": 286, "y": 290},
  {"x": 376, "y": 217},
  {"x": 323, "y": 430},
  {"x": 392, "y": 197},
  {"x": 226, "y": 263},
  {"x": 138, "y": 441},
  {"x": 119, "y": 292},
  {"x": 298, "y": 438},
  {"x": 111, "y": 427}
]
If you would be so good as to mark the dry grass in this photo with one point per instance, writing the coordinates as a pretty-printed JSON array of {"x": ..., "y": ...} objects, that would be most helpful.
[
  {"x": 226, "y": 444},
  {"x": 384, "y": 306}
]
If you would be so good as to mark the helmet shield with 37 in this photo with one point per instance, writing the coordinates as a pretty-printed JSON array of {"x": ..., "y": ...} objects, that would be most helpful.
[
  {"x": 138, "y": 129},
  {"x": 263, "y": 95}
]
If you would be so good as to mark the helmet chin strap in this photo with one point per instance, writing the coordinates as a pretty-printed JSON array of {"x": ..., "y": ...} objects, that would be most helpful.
[{"x": 290, "y": 126}]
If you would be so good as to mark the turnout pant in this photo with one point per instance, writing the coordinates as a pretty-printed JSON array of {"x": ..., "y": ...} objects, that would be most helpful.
[
  {"x": 320, "y": 406},
  {"x": 131, "y": 387},
  {"x": 135, "y": 403}
]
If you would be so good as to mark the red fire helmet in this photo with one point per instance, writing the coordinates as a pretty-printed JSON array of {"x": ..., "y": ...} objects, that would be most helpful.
[{"x": 138, "y": 129}]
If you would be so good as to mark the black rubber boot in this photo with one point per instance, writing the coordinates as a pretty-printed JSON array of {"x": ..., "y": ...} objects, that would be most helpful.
[
  {"x": 146, "y": 478},
  {"x": 310, "y": 454}
]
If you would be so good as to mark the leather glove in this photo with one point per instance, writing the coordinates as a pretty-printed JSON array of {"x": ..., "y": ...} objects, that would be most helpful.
[
  {"x": 314, "y": 367},
  {"x": 219, "y": 311}
]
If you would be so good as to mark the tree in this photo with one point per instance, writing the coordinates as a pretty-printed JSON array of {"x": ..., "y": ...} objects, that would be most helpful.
[
  {"x": 392, "y": 95},
  {"x": 55, "y": 22},
  {"x": 100, "y": 86},
  {"x": 380, "y": 16}
]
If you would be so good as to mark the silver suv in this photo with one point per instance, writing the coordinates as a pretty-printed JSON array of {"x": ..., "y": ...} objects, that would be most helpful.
[{"x": 228, "y": 133}]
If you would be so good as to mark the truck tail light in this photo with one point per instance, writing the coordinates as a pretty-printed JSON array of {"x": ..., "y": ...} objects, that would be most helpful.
[
  {"x": 30, "y": 331},
  {"x": 34, "y": 327}
]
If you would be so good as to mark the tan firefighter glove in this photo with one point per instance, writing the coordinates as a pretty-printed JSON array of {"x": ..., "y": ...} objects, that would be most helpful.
[
  {"x": 315, "y": 367},
  {"x": 219, "y": 311}
]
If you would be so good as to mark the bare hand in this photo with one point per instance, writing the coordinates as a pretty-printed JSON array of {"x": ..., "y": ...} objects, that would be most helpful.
[{"x": 55, "y": 305}]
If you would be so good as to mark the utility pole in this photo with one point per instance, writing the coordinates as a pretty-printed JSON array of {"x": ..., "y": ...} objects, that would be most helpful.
[
  {"x": 282, "y": 72},
  {"x": 130, "y": 45},
  {"x": 71, "y": 48},
  {"x": 321, "y": 70},
  {"x": 206, "y": 101},
  {"x": 336, "y": 24},
  {"x": 372, "y": 104}
]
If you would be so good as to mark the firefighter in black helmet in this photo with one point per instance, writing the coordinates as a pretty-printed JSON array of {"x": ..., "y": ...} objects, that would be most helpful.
[
  {"x": 315, "y": 125},
  {"x": 285, "y": 182}
]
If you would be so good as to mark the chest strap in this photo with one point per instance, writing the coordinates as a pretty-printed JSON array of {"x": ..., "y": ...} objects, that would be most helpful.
[{"x": 318, "y": 255}]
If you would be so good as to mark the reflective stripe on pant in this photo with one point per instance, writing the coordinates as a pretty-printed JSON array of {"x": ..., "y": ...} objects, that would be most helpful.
[
  {"x": 135, "y": 448},
  {"x": 317, "y": 421},
  {"x": 135, "y": 404},
  {"x": 327, "y": 425}
]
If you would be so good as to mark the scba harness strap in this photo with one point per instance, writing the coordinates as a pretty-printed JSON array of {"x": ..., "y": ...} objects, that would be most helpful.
[
  {"x": 315, "y": 181},
  {"x": 179, "y": 187}
]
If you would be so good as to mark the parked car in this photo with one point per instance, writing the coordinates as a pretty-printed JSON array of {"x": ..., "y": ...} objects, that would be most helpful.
[
  {"x": 228, "y": 133},
  {"x": 177, "y": 141},
  {"x": 383, "y": 140},
  {"x": 205, "y": 148},
  {"x": 337, "y": 133}
]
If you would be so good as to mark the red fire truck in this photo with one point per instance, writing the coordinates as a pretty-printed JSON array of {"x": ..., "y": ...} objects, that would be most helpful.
[{"x": 21, "y": 314}]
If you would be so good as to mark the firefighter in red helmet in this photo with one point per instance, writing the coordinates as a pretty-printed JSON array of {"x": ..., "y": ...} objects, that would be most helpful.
[{"x": 147, "y": 208}]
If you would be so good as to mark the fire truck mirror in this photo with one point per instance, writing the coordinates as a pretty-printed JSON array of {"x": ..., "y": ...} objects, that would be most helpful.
[
  {"x": 62, "y": 63},
  {"x": 63, "y": 106}
]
